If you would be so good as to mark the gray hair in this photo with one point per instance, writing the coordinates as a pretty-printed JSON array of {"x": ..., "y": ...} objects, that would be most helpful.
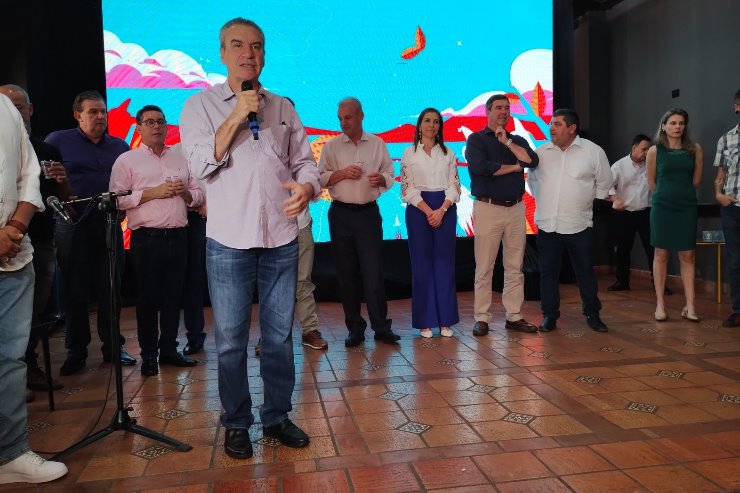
[
  {"x": 238, "y": 21},
  {"x": 16, "y": 88},
  {"x": 351, "y": 100}
]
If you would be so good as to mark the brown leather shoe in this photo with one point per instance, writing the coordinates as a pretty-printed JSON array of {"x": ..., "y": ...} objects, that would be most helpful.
[
  {"x": 314, "y": 340},
  {"x": 520, "y": 325},
  {"x": 480, "y": 329}
]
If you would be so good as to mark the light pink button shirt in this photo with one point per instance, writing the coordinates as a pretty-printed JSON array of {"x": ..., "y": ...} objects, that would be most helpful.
[
  {"x": 245, "y": 197},
  {"x": 140, "y": 169}
]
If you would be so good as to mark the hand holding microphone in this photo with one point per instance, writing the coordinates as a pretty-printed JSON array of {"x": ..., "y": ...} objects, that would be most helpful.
[{"x": 251, "y": 101}]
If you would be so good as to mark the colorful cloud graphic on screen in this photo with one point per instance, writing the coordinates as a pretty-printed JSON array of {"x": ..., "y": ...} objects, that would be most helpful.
[{"x": 128, "y": 65}]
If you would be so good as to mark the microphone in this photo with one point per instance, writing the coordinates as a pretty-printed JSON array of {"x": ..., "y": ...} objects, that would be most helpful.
[
  {"x": 252, "y": 117},
  {"x": 54, "y": 203}
]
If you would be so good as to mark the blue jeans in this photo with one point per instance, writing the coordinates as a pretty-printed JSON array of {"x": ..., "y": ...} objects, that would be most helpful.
[
  {"x": 550, "y": 252},
  {"x": 731, "y": 227},
  {"x": 16, "y": 308},
  {"x": 233, "y": 275}
]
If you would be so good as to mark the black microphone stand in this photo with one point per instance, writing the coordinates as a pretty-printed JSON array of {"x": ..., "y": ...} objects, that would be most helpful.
[{"x": 121, "y": 420}]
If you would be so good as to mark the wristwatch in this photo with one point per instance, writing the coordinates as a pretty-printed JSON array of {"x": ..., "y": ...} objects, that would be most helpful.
[{"x": 508, "y": 143}]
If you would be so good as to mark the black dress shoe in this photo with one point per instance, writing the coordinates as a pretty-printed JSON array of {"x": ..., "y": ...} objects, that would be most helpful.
[
  {"x": 520, "y": 325},
  {"x": 619, "y": 286},
  {"x": 71, "y": 366},
  {"x": 548, "y": 324},
  {"x": 237, "y": 444},
  {"x": 192, "y": 348},
  {"x": 288, "y": 434},
  {"x": 596, "y": 324},
  {"x": 126, "y": 359},
  {"x": 149, "y": 367},
  {"x": 480, "y": 329},
  {"x": 176, "y": 359},
  {"x": 354, "y": 339},
  {"x": 388, "y": 337}
]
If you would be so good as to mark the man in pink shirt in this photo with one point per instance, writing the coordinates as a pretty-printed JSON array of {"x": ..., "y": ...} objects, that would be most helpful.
[
  {"x": 256, "y": 183},
  {"x": 162, "y": 190}
]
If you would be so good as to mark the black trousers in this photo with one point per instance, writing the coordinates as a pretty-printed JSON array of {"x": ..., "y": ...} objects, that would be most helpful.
[
  {"x": 356, "y": 240},
  {"x": 196, "y": 280},
  {"x": 550, "y": 248},
  {"x": 160, "y": 259},
  {"x": 83, "y": 260},
  {"x": 626, "y": 225}
]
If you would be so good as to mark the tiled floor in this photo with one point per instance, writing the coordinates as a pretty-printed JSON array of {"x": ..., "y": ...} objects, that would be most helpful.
[{"x": 648, "y": 407}]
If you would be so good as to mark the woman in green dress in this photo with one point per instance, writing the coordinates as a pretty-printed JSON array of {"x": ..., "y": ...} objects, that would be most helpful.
[{"x": 674, "y": 166}]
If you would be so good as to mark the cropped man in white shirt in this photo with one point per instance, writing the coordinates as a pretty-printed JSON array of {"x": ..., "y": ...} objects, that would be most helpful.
[
  {"x": 630, "y": 197},
  {"x": 571, "y": 173}
]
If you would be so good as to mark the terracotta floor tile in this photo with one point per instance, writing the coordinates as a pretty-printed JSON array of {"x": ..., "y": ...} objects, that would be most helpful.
[
  {"x": 380, "y": 421},
  {"x": 451, "y": 384},
  {"x": 536, "y": 407},
  {"x": 482, "y": 412},
  {"x": 603, "y": 482},
  {"x": 434, "y": 416},
  {"x": 633, "y": 419},
  {"x": 449, "y": 473},
  {"x": 724, "y": 472},
  {"x": 445, "y": 435},
  {"x": 502, "y": 430},
  {"x": 321, "y": 446},
  {"x": 547, "y": 485},
  {"x": 557, "y": 425},
  {"x": 689, "y": 449},
  {"x": 536, "y": 443},
  {"x": 422, "y": 401},
  {"x": 625, "y": 455},
  {"x": 480, "y": 488},
  {"x": 325, "y": 481},
  {"x": 511, "y": 466},
  {"x": 521, "y": 393},
  {"x": 371, "y": 406},
  {"x": 260, "y": 485},
  {"x": 122, "y": 466},
  {"x": 392, "y": 478},
  {"x": 197, "y": 458},
  {"x": 685, "y": 413},
  {"x": 383, "y": 441},
  {"x": 572, "y": 460},
  {"x": 197, "y": 488},
  {"x": 351, "y": 444},
  {"x": 343, "y": 424},
  {"x": 670, "y": 479}
]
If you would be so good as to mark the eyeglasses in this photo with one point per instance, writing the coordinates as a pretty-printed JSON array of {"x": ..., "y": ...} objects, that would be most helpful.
[{"x": 154, "y": 123}]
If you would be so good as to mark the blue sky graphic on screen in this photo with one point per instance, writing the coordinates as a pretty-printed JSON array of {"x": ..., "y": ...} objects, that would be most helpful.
[{"x": 445, "y": 55}]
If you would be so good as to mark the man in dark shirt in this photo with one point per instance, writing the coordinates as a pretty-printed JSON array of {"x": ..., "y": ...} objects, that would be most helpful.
[
  {"x": 88, "y": 155},
  {"x": 41, "y": 232},
  {"x": 496, "y": 162}
]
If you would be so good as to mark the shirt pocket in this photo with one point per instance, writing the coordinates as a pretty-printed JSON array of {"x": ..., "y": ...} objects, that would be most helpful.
[
  {"x": 277, "y": 142},
  {"x": 579, "y": 171},
  {"x": 731, "y": 156}
]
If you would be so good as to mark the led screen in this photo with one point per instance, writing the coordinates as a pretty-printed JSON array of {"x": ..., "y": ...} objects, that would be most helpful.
[{"x": 396, "y": 58}]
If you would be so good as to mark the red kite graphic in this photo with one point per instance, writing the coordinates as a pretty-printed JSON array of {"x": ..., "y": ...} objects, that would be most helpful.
[{"x": 420, "y": 43}]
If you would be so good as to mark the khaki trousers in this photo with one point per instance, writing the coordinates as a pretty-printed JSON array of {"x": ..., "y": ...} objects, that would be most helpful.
[
  {"x": 495, "y": 224},
  {"x": 305, "y": 304}
]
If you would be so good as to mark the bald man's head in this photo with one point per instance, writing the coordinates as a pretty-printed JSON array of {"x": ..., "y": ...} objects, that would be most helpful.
[{"x": 20, "y": 100}]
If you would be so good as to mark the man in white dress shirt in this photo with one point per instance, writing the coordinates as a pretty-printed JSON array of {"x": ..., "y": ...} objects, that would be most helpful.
[
  {"x": 572, "y": 172},
  {"x": 630, "y": 197}
]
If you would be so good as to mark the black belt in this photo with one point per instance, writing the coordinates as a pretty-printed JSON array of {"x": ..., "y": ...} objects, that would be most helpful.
[
  {"x": 158, "y": 231},
  {"x": 502, "y": 203},
  {"x": 354, "y": 207}
]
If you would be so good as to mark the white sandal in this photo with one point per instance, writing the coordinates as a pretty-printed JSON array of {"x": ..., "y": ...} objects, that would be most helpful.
[
  {"x": 427, "y": 333},
  {"x": 446, "y": 332}
]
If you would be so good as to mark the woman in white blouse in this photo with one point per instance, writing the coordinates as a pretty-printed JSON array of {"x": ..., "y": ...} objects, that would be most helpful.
[{"x": 431, "y": 187}]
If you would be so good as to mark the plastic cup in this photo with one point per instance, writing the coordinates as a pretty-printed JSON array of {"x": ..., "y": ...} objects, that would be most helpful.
[{"x": 46, "y": 168}]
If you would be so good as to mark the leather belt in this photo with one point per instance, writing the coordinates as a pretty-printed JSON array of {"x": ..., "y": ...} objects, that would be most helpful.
[
  {"x": 158, "y": 231},
  {"x": 502, "y": 203},
  {"x": 354, "y": 207}
]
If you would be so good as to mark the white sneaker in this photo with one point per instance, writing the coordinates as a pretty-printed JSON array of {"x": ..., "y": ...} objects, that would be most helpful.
[{"x": 31, "y": 468}]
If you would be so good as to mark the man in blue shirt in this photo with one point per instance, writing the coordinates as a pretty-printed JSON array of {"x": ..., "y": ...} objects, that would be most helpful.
[
  {"x": 496, "y": 162},
  {"x": 88, "y": 154}
]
